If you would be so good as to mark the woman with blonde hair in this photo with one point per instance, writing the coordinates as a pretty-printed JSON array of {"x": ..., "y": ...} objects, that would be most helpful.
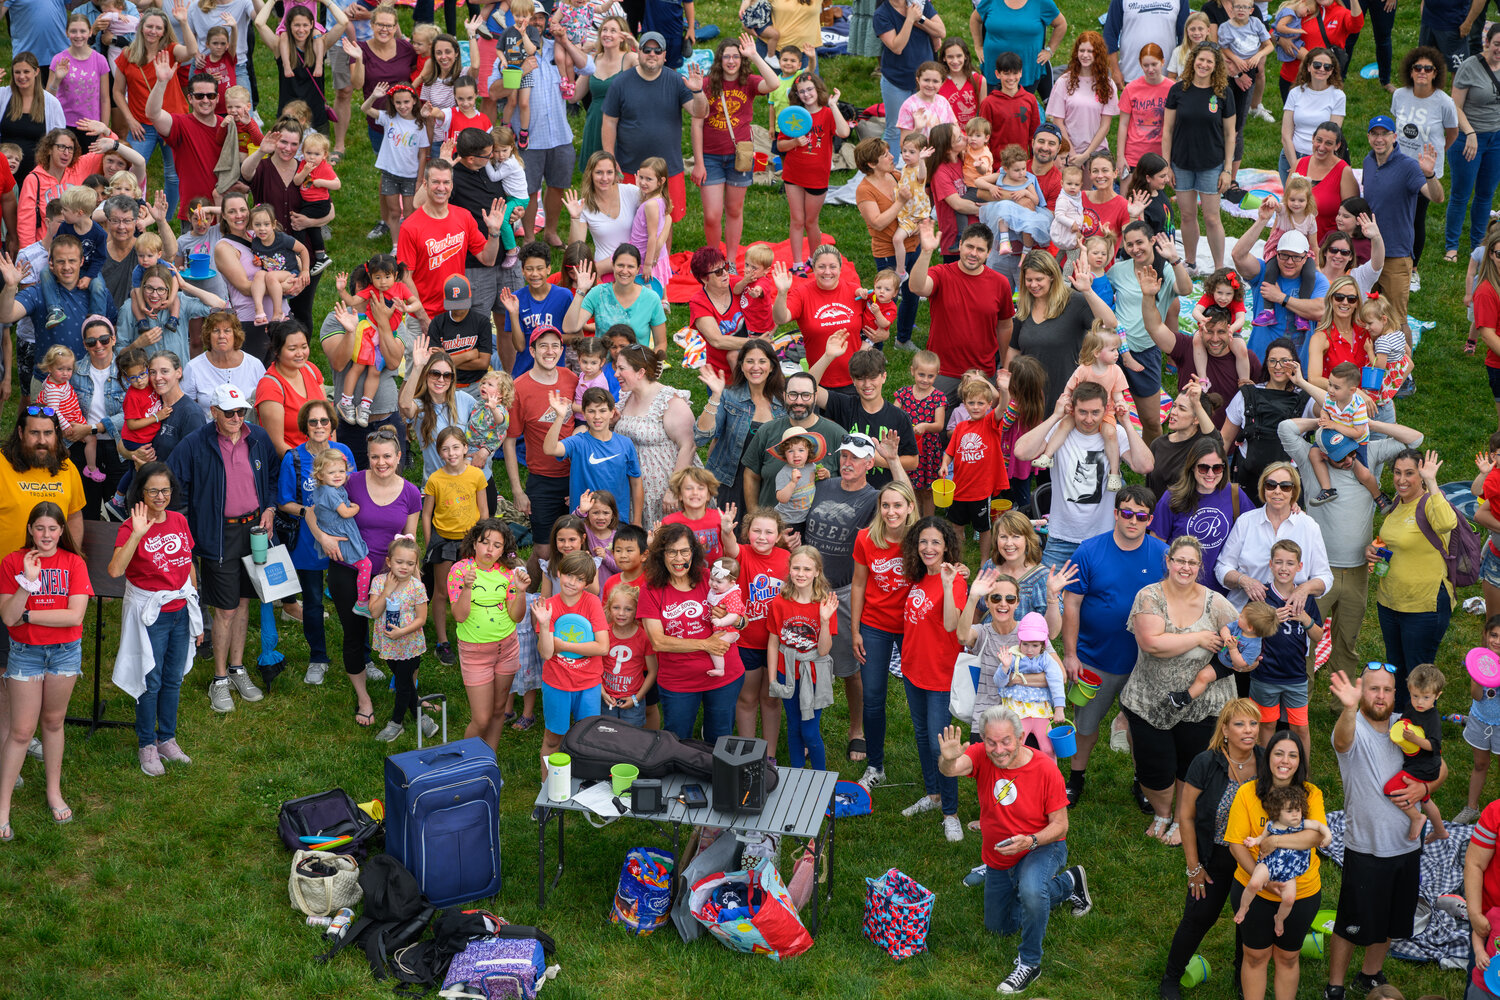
[
  {"x": 602, "y": 210},
  {"x": 1054, "y": 315},
  {"x": 1338, "y": 337},
  {"x": 133, "y": 83},
  {"x": 616, "y": 52}
]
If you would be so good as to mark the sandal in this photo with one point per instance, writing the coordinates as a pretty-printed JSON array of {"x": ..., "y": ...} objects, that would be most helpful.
[
  {"x": 365, "y": 718},
  {"x": 6, "y": 834},
  {"x": 508, "y": 717},
  {"x": 856, "y": 746},
  {"x": 524, "y": 723},
  {"x": 1450, "y": 256},
  {"x": 1158, "y": 828},
  {"x": 974, "y": 825},
  {"x": 61, "y": 814},
  {"x": 336, "y": 157},
  {"x": 1173, "y": 836}
]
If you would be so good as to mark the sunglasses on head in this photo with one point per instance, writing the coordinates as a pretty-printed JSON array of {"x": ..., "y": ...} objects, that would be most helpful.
[
  {"x": 383, "y": 434},
  {"x": 1389, "y": 668},
  {"x": 1279, "y": 484},
  {"x": 1134, "y": 515},
  {"x": 40, "y": 411}
]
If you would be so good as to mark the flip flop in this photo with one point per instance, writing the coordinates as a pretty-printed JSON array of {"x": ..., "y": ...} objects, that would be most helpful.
[
  {"x": 61, "y": 814},
  {"x": 6, "y": 834},
  {"x": 336, "y": 157},
  {"x": 524, "y": 723},
  {"x": 856, "y": 746},
  {"x": 1158, "y": 828},
  {"x": 365, "y": 718}
]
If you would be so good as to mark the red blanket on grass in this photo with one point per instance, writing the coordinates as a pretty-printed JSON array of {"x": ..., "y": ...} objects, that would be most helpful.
[{"x": 684, "y": 286}]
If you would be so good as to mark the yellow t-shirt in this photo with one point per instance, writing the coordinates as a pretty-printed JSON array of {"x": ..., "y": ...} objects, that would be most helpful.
[
  {"x": 1248, "y": 819},
  {"x": 455, "y": 506},
  {"x": 799, "y": 23},
  {"x": 1417, "y": 568},
  {"x": 21, "y": 491}
]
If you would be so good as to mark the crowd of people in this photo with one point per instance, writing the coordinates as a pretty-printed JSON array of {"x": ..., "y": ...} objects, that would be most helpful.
[{"x": 737, "y": 567}]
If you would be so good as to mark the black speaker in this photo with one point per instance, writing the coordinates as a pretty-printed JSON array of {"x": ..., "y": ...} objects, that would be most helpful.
[
  {"x": 739, "y": 774},
  {"x": 646, "y": 796}
]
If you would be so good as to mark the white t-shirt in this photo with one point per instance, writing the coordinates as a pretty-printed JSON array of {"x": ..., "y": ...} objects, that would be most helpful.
[
  {"x": 1145, "y": 21},
  {"x": 1311, "y": 108},
  {"x": 1421, "y": 120},
  {"x": 99, "y": 405},
  {"x": 200, "y": 378},
  {"x": 1081, "y": 505},
  {"x": 511, "y": 175},
  {"x": 401, "y": 150},
  {"x": 609, "y": 231}
]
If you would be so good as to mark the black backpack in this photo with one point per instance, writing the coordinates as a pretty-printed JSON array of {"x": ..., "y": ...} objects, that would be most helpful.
[
  {"x": 1265, "y": 409},
  {"x": 424, "y": 964},
  {"x": 395, "y": 913},
  {"x": 334, "y": 813}
]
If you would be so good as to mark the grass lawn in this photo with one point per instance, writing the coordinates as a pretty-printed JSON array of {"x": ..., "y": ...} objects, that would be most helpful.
[{"x": 175, "y": 888}]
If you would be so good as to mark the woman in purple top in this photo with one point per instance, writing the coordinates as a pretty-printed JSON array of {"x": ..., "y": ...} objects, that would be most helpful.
[
  {"x": 1204, "y": 503},
  {"x": 388, "y": 506},
  {"x": 385, "y": 57}
]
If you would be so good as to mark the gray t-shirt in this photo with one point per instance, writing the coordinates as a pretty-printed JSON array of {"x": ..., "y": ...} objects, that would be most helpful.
[
  {"x": 1372, "y": 823},
  {"x": 385, "y": 396},
  {"x": 759, "y": 460},
  {"x": 1421, "y": 120},
  {"x": 835, "y": 518},
  {"x": 1348, "y": 521},
  {"x": 650, "y": 114},
  {"x": 1482, "y": 105}
]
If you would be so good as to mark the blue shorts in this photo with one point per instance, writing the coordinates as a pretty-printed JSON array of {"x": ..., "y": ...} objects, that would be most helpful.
[
  {"x": 560, "y": 709},
  {"x": 29, "y": 663},
  {"x": 720, "y": 170},
  {"x": 1489, "y": 567},
  {"x": 1145, "y": 386},
  {"x": 1283, "y": 694},
  {"x": 1201, "y": 181}
]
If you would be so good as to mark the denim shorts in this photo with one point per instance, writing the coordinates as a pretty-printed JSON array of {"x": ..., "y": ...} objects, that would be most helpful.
[
  {"x": 391, "y": 185},
  {"x": 720, "y": 170},
  {"x": 1145, "y": 385},
  {"x": 1202, "y": 181},
  {"x": 29, "y": 663},
  {"x": 1489, "y": 567}
]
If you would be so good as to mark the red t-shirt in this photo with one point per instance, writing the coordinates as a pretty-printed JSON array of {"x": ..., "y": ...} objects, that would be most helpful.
[
  {"x": 757, "y": 309},
  {"x": 685, "y": 615},
  {"x": 730, "y": 323},
  {"x": 564, "y": 673},
  {"x": 739, "y": 97},
  {"x": 965, "y": 311},
  {"x": 140, "y": 403},
  {"x": 964, "y": 100},
  {"x": 1487, "y": 314},
  {"x": 978, "y": 459},
  {"x": 1340, "y": 350},
  {"x": 819, "y": 314},
  {"x": 1014, "y": 802},
  {"x": 638, "y": 582},
  {"x": 885, "y": 586},
  {"x": 1109, "y": 218},
  {"x": 929, "y": 649},
  {"x": 532, "y": 416},
  {"x": 1337, "y": 24},
  {"x": 761, "y": 579},
  {"x": 809, "y": 166},
  {"x": 1013, "y": 119},
  {"x": 322, "y": 172},
  {"x": 705, "y": 529},
  {"x": 433, "y": 251},
  {"x": 1490, "y": 494},
  {"x": 138, "y": 88},
  {"x": 222, "y": 70},
  {"x": 196, "y": 148},
  {"x": 796, "y": 625},
  {"x": 458, "y": 121},
  {"x": 8, "y": 179},
  {"x": 948, "y": 180},
  {"x": 163, "y": 558},
  {"x": 625, "y": 667},
  {"x": 1236, "y": 308},
  {"x": 63, "y": 575},
  {"x": 1484, "y": 836},
  {"x": 274, "y": 388}
]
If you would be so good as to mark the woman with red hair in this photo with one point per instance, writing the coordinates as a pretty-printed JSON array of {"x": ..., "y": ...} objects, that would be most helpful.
[{"x": 1084, "y": 100}]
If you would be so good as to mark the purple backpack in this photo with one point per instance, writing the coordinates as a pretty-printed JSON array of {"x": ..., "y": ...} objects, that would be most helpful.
[{"x": 498, "y": 969}]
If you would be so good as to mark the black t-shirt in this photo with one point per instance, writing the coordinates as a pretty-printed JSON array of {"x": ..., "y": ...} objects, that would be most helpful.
[
  {"x": 472, "y": 333},
  {"x": 1198, "y": 136},
  {"x": 116, "y": 275},
  {"x": 834, "y": 520},
  {"x": 282, "y": 251},
  {"x": 475, "y": 192},
  {"x": 1169, "y": 457},
  {"x": 846, "y": 411},
  {"x": 1215, "y": 11},
  {"x": 1055, "y": 343}
]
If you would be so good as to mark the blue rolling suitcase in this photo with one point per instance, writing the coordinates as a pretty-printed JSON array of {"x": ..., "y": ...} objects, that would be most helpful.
[{"x": 442, "y": 815}]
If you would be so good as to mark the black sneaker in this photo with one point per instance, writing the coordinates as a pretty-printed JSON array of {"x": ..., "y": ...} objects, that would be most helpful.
[
  {"x": 1075, "y": 787},
  {"x": 1019, "y": 979},
  {"x": 1324, "y": 497},
  {"x": 1332, "y": 992},
  {"x": 1141, "y": 802},
  {"x": 1386, "y": 503},
  {"x": 1179, "y": 699},
  {"x": 1080, "y": 900},
  {"x": 320, "y": 264},
  {"x": 444, "y": 654},
  {"x": 1170, "y": 988},
  {"x": 1364, "y": 983},
  {"x": 111, "y": 511}
]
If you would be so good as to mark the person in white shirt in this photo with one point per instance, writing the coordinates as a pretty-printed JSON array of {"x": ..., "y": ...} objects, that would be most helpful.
[{"x": 1244, "y": 566}]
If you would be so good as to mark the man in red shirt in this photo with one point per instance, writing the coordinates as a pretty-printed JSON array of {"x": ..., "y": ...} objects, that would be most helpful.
[
  {"x": 969, "y": 305},
  {"x": 1046, "y": 147},
  {"x": 546, "y": 494},
  {"x": 197, "y": 138},
  {"x": 436, "y": 238},
  {"x": 1482, "y": 877},
  {"x": 1023, "y": 829}
]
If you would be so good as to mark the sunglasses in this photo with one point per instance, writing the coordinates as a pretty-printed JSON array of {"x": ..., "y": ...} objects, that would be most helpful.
[
  {"x": 652, "y": 50},
  {"x": 1344, "y": 297},
  {"x": 1279, "y": 484},
  {"x": 1134, "y": 515},
  {"x": 383, "y": 434},
  {"x": 1389, "y": 668},
  {"x": 234, "y": 414},
  {"x": 40, "y": 411},
  {"x": 206, "y": 97},
  {"x": 1004, "y": 599},
  {"x": 1216, "y": 468},
  {"x": 96, "y": 341},
  {"x": 1341, "y": 251},
  {"x": 318, "y": 421},
  {"x": 439, "y": 374},
  {"x": 721, "y": 269},
  {"x": 1424, "y": 68},
  {"x": 1322, "y": 65}
]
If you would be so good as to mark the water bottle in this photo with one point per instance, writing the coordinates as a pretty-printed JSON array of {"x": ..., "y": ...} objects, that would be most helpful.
[
  {"x": 1457, "y": 719},
  {"x": 319, "y": 921},
  {"x": 340, "y": 923},
  {"x": 1382, "y": 558}
]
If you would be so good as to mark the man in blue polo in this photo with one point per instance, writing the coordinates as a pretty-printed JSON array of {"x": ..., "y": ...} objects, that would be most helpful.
[
  {"x": 1391, "y": 182},
  {"x": 1294, "y": 305}
]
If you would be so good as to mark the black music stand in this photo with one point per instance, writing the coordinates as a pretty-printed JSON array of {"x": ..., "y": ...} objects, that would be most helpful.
[{"x": 98, "y": 548}]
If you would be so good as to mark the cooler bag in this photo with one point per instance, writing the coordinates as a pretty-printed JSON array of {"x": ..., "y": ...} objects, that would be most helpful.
[{"x": 898, "y": 912}]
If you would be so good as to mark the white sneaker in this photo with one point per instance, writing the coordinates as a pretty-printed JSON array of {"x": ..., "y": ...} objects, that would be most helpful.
[
  {"x": 219, "y": 698},
  {"x": 244, "y": 685},
  {"x": 315, "y": 672},
  {"x": 1416, "y": 281},
  {"x": 429, "y": 727},
  {"x": 922, "y": 805},
  {"x": 873, "y": 776},
  {"x": 374, "y": 674},
  {"x": 151, "y": 761},
  {"x": 1119, "y": 741},
  {"x": 953, "y": 829},
  {"x": 1465, "y": 817},
  {"x": 391, "y": 732},
  {"x": 35, "y": 748},
  {"x": 1260, "y": 111}
]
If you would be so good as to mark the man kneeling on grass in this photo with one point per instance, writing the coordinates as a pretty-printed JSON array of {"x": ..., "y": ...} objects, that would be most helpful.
[{"x": 1023, "y": 823}]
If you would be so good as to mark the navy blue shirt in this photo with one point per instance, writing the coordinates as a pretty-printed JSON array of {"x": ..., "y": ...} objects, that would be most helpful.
[
  {"x": 1391, "y": 189},
  {"x": 901, "y": 70},
  {"x": 1283, "y": 655},
  {"x": 93, "y": 249}
]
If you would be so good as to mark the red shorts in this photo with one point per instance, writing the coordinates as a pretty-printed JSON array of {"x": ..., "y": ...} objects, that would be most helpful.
[
  {"x": 676, "y": 190},
  {"x": 1398, "y": 784}
]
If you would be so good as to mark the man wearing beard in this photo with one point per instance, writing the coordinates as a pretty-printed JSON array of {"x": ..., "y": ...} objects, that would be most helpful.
[
  {"x": 34, "y": 466},
  {"x": 762, "y": 464},
  {"x": 1378, "y": 894},
  {"x": 1023, "y": 831}
]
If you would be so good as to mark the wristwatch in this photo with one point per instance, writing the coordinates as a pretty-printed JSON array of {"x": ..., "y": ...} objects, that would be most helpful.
[
  {"x": 26, "y": 617},
  {"x": 1035, "y": 843}
]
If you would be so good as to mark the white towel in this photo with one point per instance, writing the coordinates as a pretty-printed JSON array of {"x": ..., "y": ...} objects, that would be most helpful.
[{"x": 134, "y": 660}]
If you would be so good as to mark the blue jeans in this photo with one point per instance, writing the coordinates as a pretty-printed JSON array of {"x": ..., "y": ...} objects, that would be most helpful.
[
  {"x": 1411, "y": 638},
  {"x": 876, "y": 674},
  {"x": 679, "y": 710},
  {"x": 906, "y": 312},
  {"x": 894, "y": 97},
  {"x": 311, "y": 581},
  {"x": 168, "y": 165},
  {"x": 156, "y": 710},
  {"x": 804, "y": 737},
  {"x": 634, "y": 715},
  {"x": 1022, "y": 897},
  {"x": 1476, "y": 178},
  {"x": 929, "y": 716},
  {"x": 1058, "y": 551}
]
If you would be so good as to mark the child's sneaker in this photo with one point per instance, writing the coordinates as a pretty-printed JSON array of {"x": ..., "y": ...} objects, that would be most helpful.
[
  {"x": 568, "y": 90},
  {"x": 1179, "y": 699},
  {"x": 391, "y": 732},
  {"x": 1266, "y": 317},
  {"x": 362, "y": 608},
  {"x": 1114, "y": 484},
  {"x": 1042, "y": 462},
  {"x": 170, "y": 326},
  {"x": 1324, "y": 497},
  {"x": 802, "y": 270},
  {"x": 511, "y": 258},
  {"x": 362, "y": 414},
  {"x": 523, "y": 138},
  {"x": 56, "y": 317},
  {"x": 429, "y": 728},
  {"x": 1386, "y": 503},
  {"x": 347, "y": 413},
  {"x": 320, "y": 263}
]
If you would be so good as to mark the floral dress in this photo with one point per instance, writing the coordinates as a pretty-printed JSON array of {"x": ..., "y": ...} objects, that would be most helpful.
[
  {"x": 1153, "y": 678},
  {"x": 400, "y": 611},
  {"x": 930, "y": 444},
  {"x": 656, "y": 451}
]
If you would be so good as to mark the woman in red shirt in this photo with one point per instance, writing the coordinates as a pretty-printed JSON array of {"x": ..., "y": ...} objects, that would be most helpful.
[
  {"x": 44, "y": 592},
  {"x": 821, "y": 308},
  {"x": 1338, "y": 338},
  {"x": 763, "y": 569},
  {"x": 290, "y": 381},
  {"x": 962, "y": 87},
  {"x": 877, "y": 596},
  {"x": 931, "y": 557},
  {"x": 1104, "y": 211},
  {"x": 807, "y": 161},
  {"x": 1486, "y": 300},
  {"x": 731, "y": 91},
  {"x": 956, "y": 208},
  {"x": 132, "y": 85}
]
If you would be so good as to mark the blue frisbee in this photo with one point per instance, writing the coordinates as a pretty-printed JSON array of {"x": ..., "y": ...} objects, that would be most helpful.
[
  {"x": 573, "y": 628},
  {"x": 794, "y": 122},
  {"x": 1369, "y": 71}
]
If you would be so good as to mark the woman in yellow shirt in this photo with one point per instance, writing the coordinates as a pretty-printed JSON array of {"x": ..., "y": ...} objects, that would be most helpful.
[
  {"x": 1285, "y": 763},
  {"x": 1415, "y": 599}
]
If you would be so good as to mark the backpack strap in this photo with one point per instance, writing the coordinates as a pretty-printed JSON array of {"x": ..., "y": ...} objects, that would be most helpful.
[
  {"x": 1234, "y": 500},
  {"x": 1428, "y": 533},
  {"x": 352, "y": 934}
]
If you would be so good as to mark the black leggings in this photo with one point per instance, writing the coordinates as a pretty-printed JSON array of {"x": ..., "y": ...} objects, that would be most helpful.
[
  {"x": 425, "y": 13},
  {"x": 1199, "y": 915},
  {"x": 405, "y": 672},
  {"x": 1419, "y": 231},
  {"x": 356, "y": 628}
]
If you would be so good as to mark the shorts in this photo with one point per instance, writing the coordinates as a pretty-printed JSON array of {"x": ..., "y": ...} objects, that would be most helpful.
[
  {"x": 1086, "y": 720},
  {"x": 338, "y": 64},
  {"x": 752, "y": 658},
  {"x": 1397, "y": 784},
  {"x": 967, "y": 512},
  {"x": 1480, "y": 736},
  {"x": 225, "y": 583},
  {"x": 549, "y": 501},
  {"x": 553, "y": 166},
  {"x": 1272, "y": 696},
  {"x": 1145, "y": 384},
  {"x": 815, "y": 192},
  {"x": 720, "y": 170},
  {"x": 29, "y": 663},
  {"x": 482, "y": 663},
  {"x": 676, "y": 190},
  {"x": 441, "y": 550},
  {"x": 1201, "y": 181},
  {"x": 560, "y": 709},
  {"x": 392, "y": 185},
  {"x": 1258, "y": 931},
  {"x": 1162, "y": 756},
  {"x": 484, "y": 291},
  {"x": 1494, "y": 376},
  {"x": 1377, "y": 897}
]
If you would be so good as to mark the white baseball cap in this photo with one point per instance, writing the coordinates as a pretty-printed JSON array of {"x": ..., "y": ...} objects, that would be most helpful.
[{"x": 228, "y": 397}]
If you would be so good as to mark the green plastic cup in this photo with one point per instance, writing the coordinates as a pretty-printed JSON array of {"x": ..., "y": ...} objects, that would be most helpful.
[
  {"x": 622, "y": 776},
  {"x": 510, "y": 79}
]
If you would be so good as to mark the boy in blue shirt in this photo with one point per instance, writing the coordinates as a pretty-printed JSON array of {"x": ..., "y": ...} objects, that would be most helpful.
[
  {"x": 598, "y": 458},
  {"x": 1243, "y": 638}
]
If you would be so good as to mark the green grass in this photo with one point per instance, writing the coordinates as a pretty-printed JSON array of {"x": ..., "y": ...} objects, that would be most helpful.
[{"x": 175, "y": 888}]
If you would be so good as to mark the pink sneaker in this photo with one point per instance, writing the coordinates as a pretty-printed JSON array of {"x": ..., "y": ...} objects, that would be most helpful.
[
  {"x": 169, "y": 750},
  {"x": 94, "y": 474}
]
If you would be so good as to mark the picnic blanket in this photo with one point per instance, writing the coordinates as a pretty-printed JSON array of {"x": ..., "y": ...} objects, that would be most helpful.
[{"x": 684, "y": 286}]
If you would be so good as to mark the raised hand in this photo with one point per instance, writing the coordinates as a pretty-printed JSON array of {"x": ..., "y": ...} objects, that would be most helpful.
[
  {"x": 583, "y": 277},
  {"x": 1082, "y": 278},
  {"x": 782, "y": 277},
  {"x": 559, "y": 404},
  {"x": 1345, "y": 690},
  {"x": 421, "y": 348},
  {"x": 9, "y": 273},
  {"x": 951, "y": 743},
  {"x": 712, "y": 379},
  {"x": 1367, "y": 225},
  {"x": 929, "y": 235},
  {"x": 542, "y": 613},
  {"x": 984, "y": 583},
  {"x": 1148, "y": 279},
  {"x": 829, "y": 607},
  {"x": 1059, "y": 580},
  {"x": 140, "y": 519},
  {"x": 164, "y": 66},
  {"x": 729, "y": 517},
  {"x": 347, "y": 318},
  {"x": 1428, "y": 470},
  {"x": 1428, "y": 158},
  {"x": 948, "y": 572}
]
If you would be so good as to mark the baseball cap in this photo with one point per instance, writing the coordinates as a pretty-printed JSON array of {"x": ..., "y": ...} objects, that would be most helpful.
[
  {"x": 653, "y": 36},
  {"x": 1050, "y": 128},
  {"x": 1382, "y": 121},
  {"x": 456, "y": 294},
  {"x": 1335, "y": 445},
  {"x": 858, "y": 445},
  {"x": 1292, "y": 241},
  {"x": 544, "y": 328},
  {"x": 1033, "y": 628},
  {"x": 228, "y": 397}
]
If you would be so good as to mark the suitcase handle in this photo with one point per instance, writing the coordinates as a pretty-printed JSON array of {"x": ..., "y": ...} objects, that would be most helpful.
[
  {"x": 428, "y": 700},
  {"x": 439, "y": 756}
]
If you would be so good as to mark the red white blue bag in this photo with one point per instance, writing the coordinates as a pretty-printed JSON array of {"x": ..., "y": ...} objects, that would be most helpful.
[
  {"x": 898, "y": 913},
  {"x": 643, "y": 901}
]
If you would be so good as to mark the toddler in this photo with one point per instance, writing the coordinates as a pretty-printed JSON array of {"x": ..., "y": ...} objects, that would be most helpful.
[
  {"x": 1288, "y": 805},
  {"x": 797, "y": 479},
  {"x": 335, "y": 516},
  {"x": 927, "y": 409},
  {"x": 78, "y": 204},
  {"x": 381, "y": 275},
  {"x": 1031, "y": 681},
  {"x": 1099, "y": 255},
  {"x": 1067, "y": 214},
  {"x": 398, "y": 603},
  {"x": 1021, "y": 208},
  {"x": 651, "y": 229},
  {"x": 915, "y": 152},
  {"x": 507, "y": 168},
  {"x": 1382, "y": 324},
  {"x": 975, "y": 456},
  {"x": 601, "y": 519},
  {"x": 148, "y": 250},
  {"x": 57, "y": 392},
  {"x": 490, "y": 419},
  {"x": 1344, "y": 429},
  {"x": 576, "y": 17},
  {"x": 240, "y": 109},
  {"x": 757, "y": 291},
  {"x": 1295, "y": 211},
  {"x": 316, "y": 181},
  {"x": 1287, "y": 30},
  {"x": 203, "y": 232},
  {"x": 13, "y": 156},
  {"x": 280, "y": 257},
  {"x": 726, "y": 606},
  {"x": 630, "y": 666},
  {"x": 1224, "y": 290},
  {"x": 978, "y": 160},
  {"x": 1096, "y": 363},
  {"x": 592, "y": 353},
  {"x": 1242, "y": 642},
  {"x": 218, "y": 60},
  {"x": 881, "y": 306},
  {"x": 1423, "y": 728}
]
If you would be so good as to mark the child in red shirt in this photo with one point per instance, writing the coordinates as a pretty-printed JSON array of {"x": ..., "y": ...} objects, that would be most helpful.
[
  {"x": 880, "y": 307},
  {"x": 316, "y": 183},
  {"x": 807, "y": 161},
  {"x": 573, "y": 658},
  {"x": 757, "y": 291},
  {"x": 1223, "y": 289},
  {"x": 218, "y": 61},
  {"x": 143, "y": 408},
  {"x": 239, "y": 109},
  {"x": 630, "y": 665},
  {"x": 802, "y": 621},
  {"x": 975, "y": 456}
]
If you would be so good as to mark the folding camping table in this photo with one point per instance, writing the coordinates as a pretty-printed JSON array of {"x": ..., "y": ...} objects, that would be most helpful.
[{"x": 796, "y": 808}]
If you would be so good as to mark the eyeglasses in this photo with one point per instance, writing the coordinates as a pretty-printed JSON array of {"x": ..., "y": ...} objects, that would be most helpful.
[
  {"x": 138, "y": 377},
  {"x": 652, "y": 50},
  {"x": 40, "y": 411},
  {"x": 1424, "y": 68},
  {"x": 165, "y": 491},
  {"x": 92, "y": 342},
  {"x": 206, "y": 97},
  {"x": 1278, "y": 484},
  {"x": 1389, "y": 668},
  {"x": 1184, "y": 563},
  {"x": 65, "y": 145},
  {"x": 1344, "y": 297},
  {"x": 318, "y": 421},
  {"x": 1137, "y": 515},
  {"x": 1004, "y": 599},
  {"x": 154, "y": 289},
  {"x": 1289, "y": 257},
  {"x": 1341, "y": 251},
  {"x": 800, "y": 395},
  {"x": 439, "y": 374},
  {"x": 1215, "y": 468},
  {"x": 1280, "y": 362}
]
